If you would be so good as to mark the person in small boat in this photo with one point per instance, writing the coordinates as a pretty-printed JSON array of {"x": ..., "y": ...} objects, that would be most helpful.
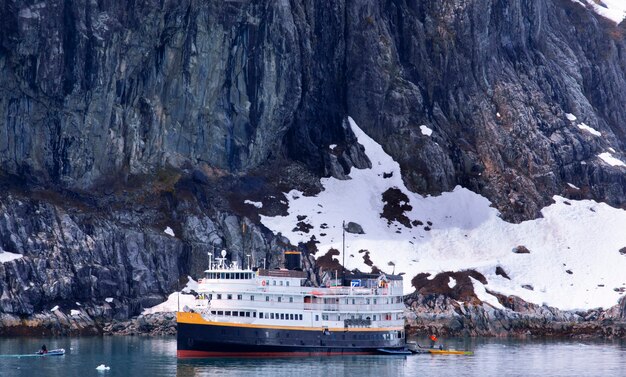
[
  {"x": 433, "y": 342},
  {"x": 43, "y": 350}
]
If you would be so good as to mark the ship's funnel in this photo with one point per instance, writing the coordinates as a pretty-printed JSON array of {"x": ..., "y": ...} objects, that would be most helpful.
[{"x": 293, "y": 260}]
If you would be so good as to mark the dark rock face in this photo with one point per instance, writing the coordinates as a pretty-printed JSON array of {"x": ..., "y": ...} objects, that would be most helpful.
[
  {"x": 494, "y": 81},
  {"x": 461, "y": 290},
  {"x": 109, "y": 266},
  {"x": 70, "y": 259},
  {"x": 94, "y": 92},
  {"x": 121, "y": 90},
  {"x": 118, "y": 119}
]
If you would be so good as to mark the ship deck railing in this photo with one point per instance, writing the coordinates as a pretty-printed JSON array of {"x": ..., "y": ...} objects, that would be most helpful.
[{"x": 259, "y": 305}]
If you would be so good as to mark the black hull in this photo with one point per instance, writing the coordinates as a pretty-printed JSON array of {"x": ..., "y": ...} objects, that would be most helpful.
[{"x": 215, "y": 340}]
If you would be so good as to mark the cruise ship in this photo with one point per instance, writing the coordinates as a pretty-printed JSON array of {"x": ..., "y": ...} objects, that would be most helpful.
[{"x": 264, "y": 312}]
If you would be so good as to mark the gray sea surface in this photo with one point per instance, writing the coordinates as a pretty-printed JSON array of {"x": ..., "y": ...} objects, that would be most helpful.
[{"x": 152, "y": 357}]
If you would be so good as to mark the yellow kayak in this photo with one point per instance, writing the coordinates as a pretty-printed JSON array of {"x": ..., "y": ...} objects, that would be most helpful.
[{"x": 416, "y": 348}]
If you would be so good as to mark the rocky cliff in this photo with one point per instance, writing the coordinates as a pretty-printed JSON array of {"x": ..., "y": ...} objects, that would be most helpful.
[{"x": 119, "y": 119}]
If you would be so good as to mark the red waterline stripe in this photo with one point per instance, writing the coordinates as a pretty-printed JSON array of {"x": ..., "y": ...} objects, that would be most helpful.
[{"x": 191, "y": 354}]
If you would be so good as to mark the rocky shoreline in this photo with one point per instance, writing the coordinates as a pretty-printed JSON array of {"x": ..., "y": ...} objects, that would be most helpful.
[
  {"x": 444, "y": 316},
  {"x": 426, "y": 314}
]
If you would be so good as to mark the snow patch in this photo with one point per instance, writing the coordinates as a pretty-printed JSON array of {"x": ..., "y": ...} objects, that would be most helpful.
[
  {"x": 452, "y": 282},
  {"x": 5, "y": 256},
  {"x": 467, "y": 233},
  {"x": 332, "y": 147},
  {"x": 570, "y": 117},
  {"x": 591, "y": 130},
  {"x": 425, "y": 130},
  {"x": 74, "y": 312},
  {"x": 481, "y": 293},
  {"x": 256, "y": 204},
  {"x": 192, "y": 285},
  {"x": 55, "y": 308},
  {"x": 609, "y": 159},
  {"x": 109, "y": 299},
  {"x": 572, "y": 186},
  {"x": 614, "y": 10},
  {"x": 169, "y": 231},
  {"x": 176, "y": 298}
]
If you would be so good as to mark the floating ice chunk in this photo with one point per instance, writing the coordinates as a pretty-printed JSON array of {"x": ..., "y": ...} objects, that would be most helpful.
[
  {"x": 103, "y": 367},
  {"x": 425, "y": 130}
]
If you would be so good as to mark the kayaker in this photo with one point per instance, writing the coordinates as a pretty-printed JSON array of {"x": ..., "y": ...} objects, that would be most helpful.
[
  {"x": 43, "y": 350},
  {"x": 433, "y": 340}
]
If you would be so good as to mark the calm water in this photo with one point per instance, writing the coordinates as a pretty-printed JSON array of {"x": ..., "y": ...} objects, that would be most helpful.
[{"x": 151, "y": 357}]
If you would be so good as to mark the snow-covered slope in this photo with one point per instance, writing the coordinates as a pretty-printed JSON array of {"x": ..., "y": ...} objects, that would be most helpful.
[
  {"x": 574, "y": 260},
  {"x": 177, "y": 300},
  {"x": 614, "y": 10}
]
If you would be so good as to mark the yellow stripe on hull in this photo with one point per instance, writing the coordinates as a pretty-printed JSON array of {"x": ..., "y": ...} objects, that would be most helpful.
[{"x": 196, "y": 319}]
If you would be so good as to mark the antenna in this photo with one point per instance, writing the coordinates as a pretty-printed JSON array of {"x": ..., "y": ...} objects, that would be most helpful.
[
  {"x": 343, "y": 245},
  {"x": 222, "y": 259},
  {"x": 248, "y": 255},
  {"x": 210, "y": 262}
]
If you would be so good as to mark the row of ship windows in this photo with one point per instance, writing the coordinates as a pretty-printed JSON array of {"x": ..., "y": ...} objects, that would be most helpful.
[
  {"x": 374, "y": 317},
  {"x": 230, "y": 275},
  {"x": 280, "y": 282},
  {"x": 281, "y": 316},
  {"x": 398, "y": 300},
  {"x": 343, "y": 335},
  {"x": 294, "y": 317},
  {"x": 326, "y": 300},
  {"x": 243, "y": 276},
  {"x": 229, "y": 296}
]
